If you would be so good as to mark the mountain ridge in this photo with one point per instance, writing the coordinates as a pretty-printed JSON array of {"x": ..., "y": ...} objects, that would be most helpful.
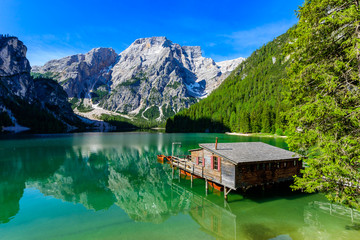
[{"x": 153, "y": 78}]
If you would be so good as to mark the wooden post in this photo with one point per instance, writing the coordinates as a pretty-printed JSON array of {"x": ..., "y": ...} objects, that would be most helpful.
[
  {"x": 226, "y": 193},
  {"x": 193, "y": 166},
  {"x": 179, "y": 169},
  {"x": 206, "y": 186},
  {"x": 172, "y": 166},
  {"x": 191, "y": 180}
]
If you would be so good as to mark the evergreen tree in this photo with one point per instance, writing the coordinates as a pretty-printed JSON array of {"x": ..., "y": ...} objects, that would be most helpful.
[
  {"x": 233, "y": 122},
  {"x": 323, "y": 91},
  {"x": 255, "y": 83},
  {"x": 244, "y": 122},
  {"x": 266, "y": 122}
]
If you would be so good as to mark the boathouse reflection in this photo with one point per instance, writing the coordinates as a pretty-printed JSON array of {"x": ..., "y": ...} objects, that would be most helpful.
[
  {"x": 213, "y": 219},
  {"x": 101, "y": 175}
]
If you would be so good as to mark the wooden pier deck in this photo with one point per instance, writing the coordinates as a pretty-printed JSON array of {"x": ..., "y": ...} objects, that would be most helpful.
[
  {"x": 199, "y": 171},
  {"x": 188, "y": 166}
]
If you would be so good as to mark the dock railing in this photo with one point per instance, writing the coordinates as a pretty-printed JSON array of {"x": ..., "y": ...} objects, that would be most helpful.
[
  {"x": 194, "y": 169},
  {"x": 186, "y": 164}
]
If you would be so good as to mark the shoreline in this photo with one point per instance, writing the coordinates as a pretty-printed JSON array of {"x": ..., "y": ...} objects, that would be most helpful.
[{"x": 255, "y": 135}]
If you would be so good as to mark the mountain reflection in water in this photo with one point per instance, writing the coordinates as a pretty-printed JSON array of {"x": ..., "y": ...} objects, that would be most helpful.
[{"x": 100, "y": 171}]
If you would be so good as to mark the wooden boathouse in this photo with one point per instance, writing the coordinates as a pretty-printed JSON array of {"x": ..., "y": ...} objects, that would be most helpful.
[{"x": 239, "y": 165}]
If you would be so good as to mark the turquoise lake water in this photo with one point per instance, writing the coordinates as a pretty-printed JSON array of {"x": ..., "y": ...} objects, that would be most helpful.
[{"x": 110, "y": 186}]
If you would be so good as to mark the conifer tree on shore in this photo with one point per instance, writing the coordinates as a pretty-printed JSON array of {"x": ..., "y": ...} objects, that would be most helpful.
[{"x": 323, "y": 94}]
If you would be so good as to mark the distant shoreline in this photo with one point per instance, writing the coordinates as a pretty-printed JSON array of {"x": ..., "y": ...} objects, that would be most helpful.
[{"x": 255, "y": 134}]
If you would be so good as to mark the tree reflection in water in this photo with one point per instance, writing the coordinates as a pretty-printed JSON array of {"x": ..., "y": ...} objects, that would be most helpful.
[{"x": 100, "y": 173}]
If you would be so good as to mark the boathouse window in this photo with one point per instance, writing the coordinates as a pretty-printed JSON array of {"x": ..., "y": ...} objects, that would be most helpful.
[
  {"x": 199, "y": 160},
  {"x": 294, "y": 162},
  {"x": 285, "y": 164},
  {"x": 215, "y": 162}
]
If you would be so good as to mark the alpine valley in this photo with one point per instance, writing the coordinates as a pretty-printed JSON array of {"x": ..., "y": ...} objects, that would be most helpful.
[{"x": 148, "y": 82}]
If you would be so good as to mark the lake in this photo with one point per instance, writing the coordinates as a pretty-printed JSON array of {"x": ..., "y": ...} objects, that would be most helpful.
[{"x": 110, "y": 186}]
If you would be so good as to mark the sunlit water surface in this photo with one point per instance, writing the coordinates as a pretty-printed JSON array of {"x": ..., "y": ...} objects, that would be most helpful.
[{"x": 110, "y": 186}]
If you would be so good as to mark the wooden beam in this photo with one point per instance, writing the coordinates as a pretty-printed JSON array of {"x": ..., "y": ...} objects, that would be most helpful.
[{"x": 226, "y": 193}]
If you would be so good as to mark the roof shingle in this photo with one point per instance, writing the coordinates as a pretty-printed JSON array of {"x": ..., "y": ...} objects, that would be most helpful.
[{"x": 244, "y": 152}]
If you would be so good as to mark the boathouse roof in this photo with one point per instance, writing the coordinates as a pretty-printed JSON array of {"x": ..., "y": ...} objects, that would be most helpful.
[{"x": 245, "y": 152}]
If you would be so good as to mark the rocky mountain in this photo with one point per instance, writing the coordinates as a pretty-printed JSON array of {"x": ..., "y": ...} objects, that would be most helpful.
[
  {"x": 39, "y": 104},
  {"x": 249, "y": 100},
  {"x": 79, "y": 74},
  {"x": 152, "y": 79}
]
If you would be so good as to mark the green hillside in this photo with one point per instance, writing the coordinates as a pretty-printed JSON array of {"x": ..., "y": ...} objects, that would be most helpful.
[{"x": 249, "y": 100}]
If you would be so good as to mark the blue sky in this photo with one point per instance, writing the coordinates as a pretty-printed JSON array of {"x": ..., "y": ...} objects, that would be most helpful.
[{"x": 224, "y": 29}]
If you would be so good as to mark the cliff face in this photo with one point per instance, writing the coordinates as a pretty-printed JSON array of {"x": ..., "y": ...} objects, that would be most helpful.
[
  {"x": 153, "y": 78},
  {"x": 37, "y": 104},
  {"x": 15, "y": 68},
  {"x": 82, "y": 73}
]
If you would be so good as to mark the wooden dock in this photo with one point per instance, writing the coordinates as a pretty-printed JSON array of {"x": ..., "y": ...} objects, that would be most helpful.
[
  {"x": 237, "y": 165},
  {"x": 199, "y": 171}
]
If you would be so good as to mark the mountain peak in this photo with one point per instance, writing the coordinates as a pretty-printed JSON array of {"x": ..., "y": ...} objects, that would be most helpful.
[
  {"x": 151, "y": 41},
  {"x": 230, "y": 65},
  {"x": 101, "y": 50},
  {"x": 153, "y": 75}
]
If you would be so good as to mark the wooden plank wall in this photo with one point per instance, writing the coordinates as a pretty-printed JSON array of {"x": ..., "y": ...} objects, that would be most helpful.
[
  {"x": 226, "y": 168},
  {"x": 228, "y": 173},
  {"x": 247, "y": 174},
  {"x": 267, "y": 172},
  {"x": 214, "y": 173}
]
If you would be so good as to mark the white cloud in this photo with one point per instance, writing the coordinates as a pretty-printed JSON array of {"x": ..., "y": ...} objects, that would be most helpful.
[
  {"x": 43, "y": 48},
  {"x": 243, "y": 43},
  {"x": 258, "y": 36},
  {"x": 38, "y": 56}
]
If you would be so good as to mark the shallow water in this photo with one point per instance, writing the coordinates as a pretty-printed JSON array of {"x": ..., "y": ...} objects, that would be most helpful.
[{"x": 110, "y": 186}]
